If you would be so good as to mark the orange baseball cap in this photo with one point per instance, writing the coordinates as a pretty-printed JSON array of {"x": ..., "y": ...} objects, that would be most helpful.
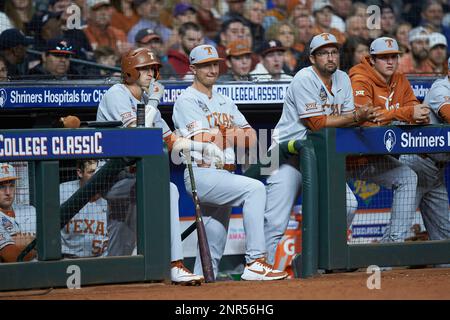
[{"x": 238, "y": 48}]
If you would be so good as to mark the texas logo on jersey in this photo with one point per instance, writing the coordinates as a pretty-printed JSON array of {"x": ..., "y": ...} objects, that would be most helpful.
[
  {"x": 217, "y": 118},
  {"x": 388, "y": 100}
]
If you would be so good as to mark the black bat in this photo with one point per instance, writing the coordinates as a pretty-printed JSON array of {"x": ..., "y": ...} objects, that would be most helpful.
[{"x": 205, "y": 254}]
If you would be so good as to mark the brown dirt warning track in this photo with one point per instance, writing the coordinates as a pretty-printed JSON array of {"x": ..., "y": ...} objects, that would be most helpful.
[{"x": 397, "y": 284}]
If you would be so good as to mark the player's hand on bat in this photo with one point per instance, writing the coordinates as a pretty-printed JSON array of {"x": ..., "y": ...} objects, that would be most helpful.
[{"x": 421, "y": 114}]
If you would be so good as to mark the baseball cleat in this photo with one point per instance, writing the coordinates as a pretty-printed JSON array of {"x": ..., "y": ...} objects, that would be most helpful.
[
  {"x": 182, "y": 276},
  {"x": 261, "y": 270}
]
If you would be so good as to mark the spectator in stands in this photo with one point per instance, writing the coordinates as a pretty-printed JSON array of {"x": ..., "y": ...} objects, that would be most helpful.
[
  {"x": 191, "y": 35},
  {"x": 5, "y": 23},
  {"x": 416, "y": 61},
  {"x": 353, "y": 50},
  {"x": 182, "y": 13},
  {"x": 287, "y": 35},
  {"x": 43, "y": 27},
  {"x": 254, "y": 16},
  {"x": 99, "y": 31},
  {"x": 75, "y": 36},
  {"x": 235, "y": 10},
  {"x": 3, "y": 69},
  {"x": 107, "y": 57},
  {"x": 271, "y": 65},
  {"x": 438, "y": 53},
  {"x": 323, "y": 12},
  {"x": 13, "y": 47},
  {"x": 148, "y": 12},
  {"x": 342, "y": 9},
  {"x": 123, "y": 17},
  {"x": 19, "y": 12},
  {"x": 207, "y": 17},
  {"x": 55, "y": 61},
  {"x": 387, "y": 21},
  {"x": 359, "y": 9},
  {"x": 356, "y": 27},
  {"x": 276, "y": 14},
  {"x": 432, "y": 15},
  {"x": 147, "y": 38},
  {"x": 401, "y": 34},
  {"x": 15, "y": 233},
  {"x": 299, "y": 8},
  {"x": 304, "y": 25},
  {"x": 231, "y": 30},
  {"x": 239, "y": 62}
]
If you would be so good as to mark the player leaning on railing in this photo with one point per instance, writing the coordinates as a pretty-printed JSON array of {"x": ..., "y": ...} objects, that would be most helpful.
[
  {"x": 140, "y": 70},
  {"x": 318, "y": 97},
  {"x": 432, "y": 196},
  {"x": 376, "y": 81}
]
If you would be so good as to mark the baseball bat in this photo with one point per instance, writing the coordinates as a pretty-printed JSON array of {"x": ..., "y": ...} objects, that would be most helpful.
[{"x": 205, "y": 254}]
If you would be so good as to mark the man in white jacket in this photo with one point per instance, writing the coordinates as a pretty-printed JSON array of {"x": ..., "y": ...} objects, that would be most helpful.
[{"x": 270, "y": 67}]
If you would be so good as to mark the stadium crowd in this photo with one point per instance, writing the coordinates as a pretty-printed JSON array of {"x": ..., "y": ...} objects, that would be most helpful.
[{"x": 260, "y": 39}]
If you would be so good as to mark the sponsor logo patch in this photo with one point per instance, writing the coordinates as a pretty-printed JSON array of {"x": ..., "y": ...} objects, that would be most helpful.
[{"x": 311, "y": 106}]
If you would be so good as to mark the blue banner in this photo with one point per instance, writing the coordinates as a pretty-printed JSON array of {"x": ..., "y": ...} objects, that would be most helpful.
[
  {"x": 79, "y": 143},
  {"x": 50, "y": 97},
  {"x": 55, "y": 96},
  {"x": 393, "y": 140}
]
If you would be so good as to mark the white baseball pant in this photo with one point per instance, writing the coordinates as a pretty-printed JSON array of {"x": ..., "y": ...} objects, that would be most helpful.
[
  {"x": 122, "y": 220},
  {"x": 283, "y": 188},
  {"x": 432, "y": 196},
  {"x": 219, "y": 191},
  {"x": 390, "y": 173}
]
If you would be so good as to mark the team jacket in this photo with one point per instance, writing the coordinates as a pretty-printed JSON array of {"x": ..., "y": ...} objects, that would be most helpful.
[{"x": 396, "y": 98}]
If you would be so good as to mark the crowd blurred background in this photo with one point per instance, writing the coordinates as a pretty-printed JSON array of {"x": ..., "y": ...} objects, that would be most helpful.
[{"x": 259, "y": 39}]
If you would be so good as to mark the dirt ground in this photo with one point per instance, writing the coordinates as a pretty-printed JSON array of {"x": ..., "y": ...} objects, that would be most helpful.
[{"x": 428, "y": 283}]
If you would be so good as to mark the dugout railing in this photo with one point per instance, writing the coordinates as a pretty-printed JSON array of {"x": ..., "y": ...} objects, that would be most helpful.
[
  {"x": 152, "y": 262},
  {"x": 325, "y": 237}
]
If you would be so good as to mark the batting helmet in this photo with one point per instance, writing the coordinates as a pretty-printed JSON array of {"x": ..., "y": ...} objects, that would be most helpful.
[{"x": 135, "y": 59}]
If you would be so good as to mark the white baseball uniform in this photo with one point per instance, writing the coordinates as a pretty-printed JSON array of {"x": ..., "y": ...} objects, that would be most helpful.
[
  {"x": 85, "y": 235},
  {"x": 22, "y": 219},
  {"x": 119, "y": 104},
  {"x": 307, "y": 96},
  {"x": 432, "y": 196},
  {"x": 220, "y": 190},
  {"x": 8, "y": 228}
]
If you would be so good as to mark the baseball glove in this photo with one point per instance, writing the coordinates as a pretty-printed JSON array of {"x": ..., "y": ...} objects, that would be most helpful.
[{"x": 69, "y": 122}]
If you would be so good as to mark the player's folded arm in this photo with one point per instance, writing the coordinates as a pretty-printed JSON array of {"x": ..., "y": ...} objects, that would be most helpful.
[{"x": 11, "y": 252}]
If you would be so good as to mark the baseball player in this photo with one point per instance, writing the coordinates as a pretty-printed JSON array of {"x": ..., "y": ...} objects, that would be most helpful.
[
  {"x": 140, "y": 70},
  {"x": 14, "y": 237},
  {"x": 376, "y": 81},
  {"x": 85, "y": 235},
  {"x": 319, "y": 96},
  {"x": 432, "y": 196},
  {"x": 202, "y": 114}
]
